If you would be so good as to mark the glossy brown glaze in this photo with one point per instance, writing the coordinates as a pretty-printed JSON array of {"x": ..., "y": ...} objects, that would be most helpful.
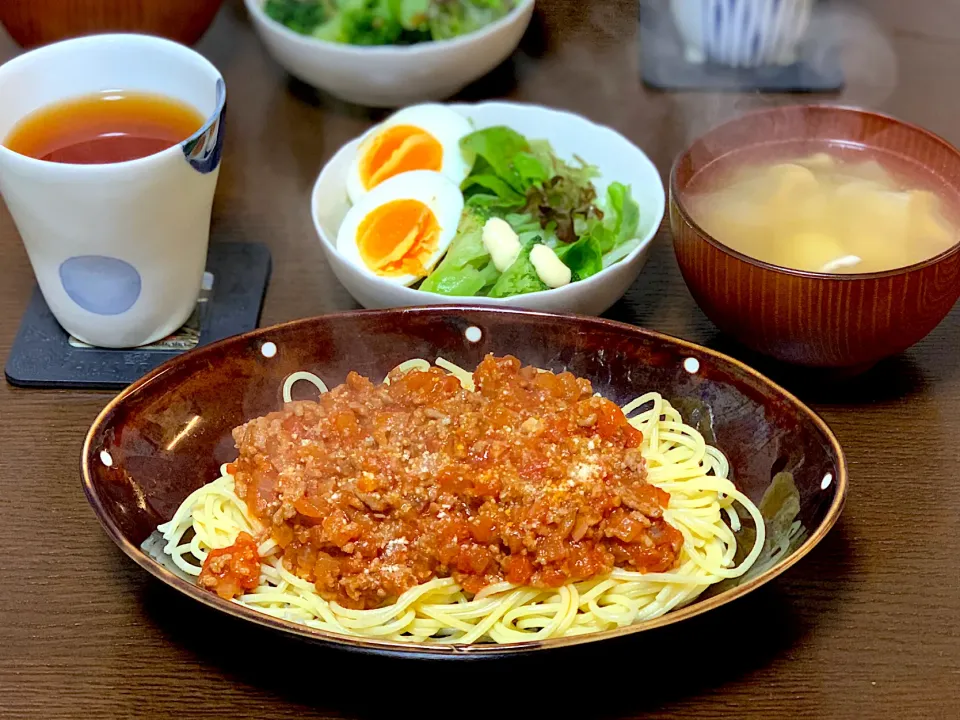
[
  {"x": 815, "y": 319},
  {"x": 38, "y": 22},
  {"x": 168, "y": 433}
]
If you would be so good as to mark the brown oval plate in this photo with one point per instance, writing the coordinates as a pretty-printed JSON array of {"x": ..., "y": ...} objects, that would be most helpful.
[{"x": 168, "y": 433}]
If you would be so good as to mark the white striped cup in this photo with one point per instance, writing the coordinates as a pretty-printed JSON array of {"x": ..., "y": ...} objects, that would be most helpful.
[{"x": 742, "y": 33}]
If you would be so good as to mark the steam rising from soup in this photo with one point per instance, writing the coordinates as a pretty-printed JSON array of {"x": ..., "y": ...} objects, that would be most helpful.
[{"x": 823, "y": 213}]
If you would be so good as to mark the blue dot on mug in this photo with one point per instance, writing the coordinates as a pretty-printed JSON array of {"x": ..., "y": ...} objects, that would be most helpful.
[{"x": 100, "y": 284}]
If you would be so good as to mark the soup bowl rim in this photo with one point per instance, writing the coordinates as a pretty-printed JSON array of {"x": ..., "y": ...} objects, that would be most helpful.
[{"x": 676, "y": 197}]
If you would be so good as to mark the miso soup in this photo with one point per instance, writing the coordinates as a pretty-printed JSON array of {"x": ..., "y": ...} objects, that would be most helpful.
[{"x": 824, "y": 212}]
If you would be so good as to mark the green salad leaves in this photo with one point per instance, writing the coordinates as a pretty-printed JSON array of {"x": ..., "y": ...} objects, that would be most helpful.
[
  {"x": 519, "y": 278},
  {"x": 545, "y": 200},
  {"x": 386, "y": 22},
  {"x": 466, "y": 269}
]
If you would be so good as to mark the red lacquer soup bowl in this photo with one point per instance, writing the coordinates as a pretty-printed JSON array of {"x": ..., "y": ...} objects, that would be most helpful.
[
  {"x": 168, "y": 433},
  {"x": 809, "y": 318},
  {"x": 38, "y": 22}
]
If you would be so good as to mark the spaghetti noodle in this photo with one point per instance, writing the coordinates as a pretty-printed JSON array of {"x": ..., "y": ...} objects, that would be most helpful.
[{"x": 678, "y": 461}]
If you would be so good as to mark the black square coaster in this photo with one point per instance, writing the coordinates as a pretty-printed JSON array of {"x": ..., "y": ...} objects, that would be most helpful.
[
  {"x": 234, "y": 285},
  {"x": 664, "y": 66}
]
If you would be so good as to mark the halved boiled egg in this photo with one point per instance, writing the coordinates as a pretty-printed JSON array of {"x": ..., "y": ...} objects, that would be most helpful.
[
  {"x": 399, "y": 230},
  {"x": 422, "y": 137}
]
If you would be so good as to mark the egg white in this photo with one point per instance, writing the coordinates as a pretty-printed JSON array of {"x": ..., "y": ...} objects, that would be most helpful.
[
  {"x": 433, "y": 189},
  {"x": 445, "y": 125}
]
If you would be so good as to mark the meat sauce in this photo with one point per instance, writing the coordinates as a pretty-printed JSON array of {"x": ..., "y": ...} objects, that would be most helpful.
[
  {"x": 232, "y": 570},
  {"x": 530, "y": 479}
]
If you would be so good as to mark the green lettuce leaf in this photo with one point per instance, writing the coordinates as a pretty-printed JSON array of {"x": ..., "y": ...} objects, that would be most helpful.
[
  {"x": 369, "y": 22},
  {"x": 520, "y": 278},
  {"x": 620, "y": 252},
  {"x": 579, "y": 172},
  {"x": 412, "y": 14},
  {"x": 386, "y": 22},
  {"x": 530, "y": 169},
  {"x": 510, "y": 173},
  {"x": 489, "y": 191},
  {"x": 522, "y": 223},
  {"x": 626, "y": 211},
  {"x": 466, "y": 269},
  {"x": 301, "y": 17},
  {"x": 527, "y": 227},
  {"x": 583, "y": 257},
  {"x": 465, "y": 282},
  {"x": 332, "y": 30},
  {"x": 616, "y": 226},
  {"x": 496, "y": 147},
  {"x": 452, "y": 18}
]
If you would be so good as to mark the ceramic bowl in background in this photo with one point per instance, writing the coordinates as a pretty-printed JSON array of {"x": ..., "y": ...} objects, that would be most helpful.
[
  {"x": 392, "y": 75},
  {"x": 809, "y": 318},
  {"x": 616, "y": 159},
  {"x": 168, "y": 433},
  {"x": 742, "y": 33},
  {"x": 38, "y": 22}
]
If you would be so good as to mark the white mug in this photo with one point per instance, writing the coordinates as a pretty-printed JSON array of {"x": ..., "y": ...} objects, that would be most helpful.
[
  {"x": 118, "y": 249},
  {"x": 742, "y": 33}
]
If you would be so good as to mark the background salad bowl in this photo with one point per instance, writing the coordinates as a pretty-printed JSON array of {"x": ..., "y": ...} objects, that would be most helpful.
[
  {"x": 392, "y": 75},
  {"x": 615, "y": 158}
]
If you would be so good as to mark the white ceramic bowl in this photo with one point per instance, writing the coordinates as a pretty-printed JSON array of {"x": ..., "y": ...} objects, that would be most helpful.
[
  {"x": 616, "y": 158},
  {"x": 392, "y": 75}
]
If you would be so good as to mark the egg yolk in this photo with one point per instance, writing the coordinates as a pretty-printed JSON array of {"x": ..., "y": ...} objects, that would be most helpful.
[
  {"x": 399, "y": 149},
  {"x": 398, "y": 238}
]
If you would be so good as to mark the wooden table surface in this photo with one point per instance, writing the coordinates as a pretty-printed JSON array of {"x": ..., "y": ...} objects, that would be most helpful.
[{"x": 867, "y": 626}]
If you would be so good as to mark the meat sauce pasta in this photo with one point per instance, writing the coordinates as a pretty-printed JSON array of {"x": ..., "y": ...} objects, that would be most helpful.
[{"x": 442, "y": 506}]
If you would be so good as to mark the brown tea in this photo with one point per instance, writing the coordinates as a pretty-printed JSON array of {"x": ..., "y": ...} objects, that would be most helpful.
[{"x": 105, "y": 127}]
